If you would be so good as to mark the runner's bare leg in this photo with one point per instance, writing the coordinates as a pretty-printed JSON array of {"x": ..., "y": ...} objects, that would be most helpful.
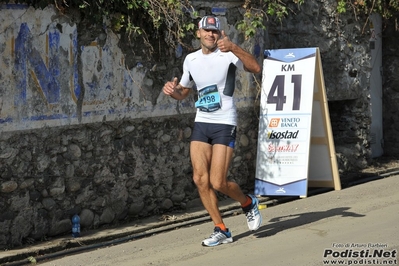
[{"x": 210, "y": 166}]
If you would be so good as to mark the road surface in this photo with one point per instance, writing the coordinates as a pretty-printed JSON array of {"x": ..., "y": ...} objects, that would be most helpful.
[{"x": 358, "y": 225}]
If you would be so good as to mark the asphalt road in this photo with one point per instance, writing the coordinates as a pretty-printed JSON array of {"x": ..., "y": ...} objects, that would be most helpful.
[{"x": 358, "y": 225}]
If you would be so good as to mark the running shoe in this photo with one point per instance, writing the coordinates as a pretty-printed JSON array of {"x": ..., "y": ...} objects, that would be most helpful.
[
  {"x": 254, "y": 218},
  {"x": 218, "y": 237}
]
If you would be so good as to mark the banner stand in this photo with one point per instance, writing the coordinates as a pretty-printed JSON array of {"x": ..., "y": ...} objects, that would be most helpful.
[
  {"x": 329, "y": 168},
  {"x": 295, "y": 142}
]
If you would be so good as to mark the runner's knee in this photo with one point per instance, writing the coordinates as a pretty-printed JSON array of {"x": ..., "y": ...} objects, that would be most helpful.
[
  {"x": 201, "y": 181},
  {"x": 219, "y": 185}
]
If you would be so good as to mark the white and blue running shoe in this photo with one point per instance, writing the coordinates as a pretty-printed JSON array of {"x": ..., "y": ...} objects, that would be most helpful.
[
  {"x": 254, "y": 218},
  {"x": 218, "y": 237}
]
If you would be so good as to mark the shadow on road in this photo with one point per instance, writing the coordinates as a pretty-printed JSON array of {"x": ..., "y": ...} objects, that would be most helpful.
[{"x": 278, "y": 224}]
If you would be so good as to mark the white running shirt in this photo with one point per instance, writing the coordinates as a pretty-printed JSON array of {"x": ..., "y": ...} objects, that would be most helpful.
[{"x": 219, "y": 69}]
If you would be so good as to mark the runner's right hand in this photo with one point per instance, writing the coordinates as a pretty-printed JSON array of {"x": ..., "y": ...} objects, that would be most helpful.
[{"x": 170, "y": 87}]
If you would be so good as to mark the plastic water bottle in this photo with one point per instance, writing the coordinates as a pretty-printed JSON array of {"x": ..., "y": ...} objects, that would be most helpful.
[{"x": 76, "y": 226}]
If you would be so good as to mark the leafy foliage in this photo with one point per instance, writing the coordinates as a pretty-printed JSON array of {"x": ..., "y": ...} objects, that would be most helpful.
[
  {"x": 172, "y": 20},
  {"x": 259, "y": 10},
  {"x": 386, "y": 8}
]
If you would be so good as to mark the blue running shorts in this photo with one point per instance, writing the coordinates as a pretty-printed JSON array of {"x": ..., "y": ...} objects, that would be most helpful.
[{"x": 214, "y": 133}]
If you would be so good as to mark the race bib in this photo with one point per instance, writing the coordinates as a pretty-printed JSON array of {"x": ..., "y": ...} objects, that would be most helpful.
[{"x": 208, "y": 99}]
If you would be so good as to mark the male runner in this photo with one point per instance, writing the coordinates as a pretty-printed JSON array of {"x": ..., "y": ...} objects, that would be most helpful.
[{"x": 212, "y": 69}]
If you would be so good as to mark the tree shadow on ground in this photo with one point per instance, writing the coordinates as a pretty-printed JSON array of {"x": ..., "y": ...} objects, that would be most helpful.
[{"x": 279, "y": 224}]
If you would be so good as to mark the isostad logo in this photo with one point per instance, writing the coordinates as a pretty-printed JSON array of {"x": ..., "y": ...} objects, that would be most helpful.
[
  {"x": 283, "y": 135},
  {"x": 274, "y": 122}
]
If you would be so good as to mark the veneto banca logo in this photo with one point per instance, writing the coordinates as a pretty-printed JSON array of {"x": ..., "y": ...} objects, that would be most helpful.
[{"x": 274, "y": 122}]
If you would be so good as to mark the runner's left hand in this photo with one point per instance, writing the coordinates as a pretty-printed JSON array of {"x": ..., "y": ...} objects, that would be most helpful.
[{"x": 224, "y": 43}]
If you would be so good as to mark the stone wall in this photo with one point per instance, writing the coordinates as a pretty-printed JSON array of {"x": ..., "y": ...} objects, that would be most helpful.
[
  {"x": 108, "y": 173},
  {"x": 346, "y": 58},
  {"x": 120, "y": 150}
]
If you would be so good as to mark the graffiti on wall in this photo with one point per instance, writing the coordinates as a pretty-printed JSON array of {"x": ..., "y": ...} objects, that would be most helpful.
[
  {"x": 39, "y": 74},
  {"x": 29, "y": 64}
]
